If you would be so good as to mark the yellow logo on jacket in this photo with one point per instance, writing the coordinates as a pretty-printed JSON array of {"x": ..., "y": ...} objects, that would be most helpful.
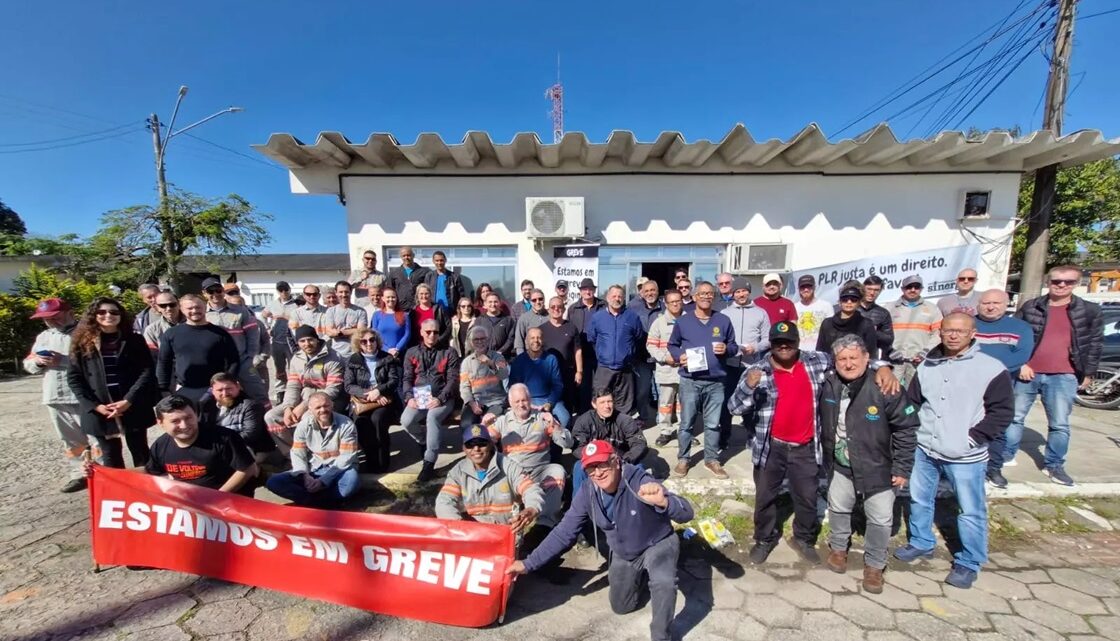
[
  {"x": 715, "y": 331},
  {"x": 873, "y": 410}
]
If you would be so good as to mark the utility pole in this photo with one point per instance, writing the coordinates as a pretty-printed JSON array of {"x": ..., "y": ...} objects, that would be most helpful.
[
  {"x": 1046, "y": 178},
  {"x": 166, "y": 218}
]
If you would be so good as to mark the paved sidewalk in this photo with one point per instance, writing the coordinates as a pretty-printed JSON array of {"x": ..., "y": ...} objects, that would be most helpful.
[{"x": 1044, "y": 588}]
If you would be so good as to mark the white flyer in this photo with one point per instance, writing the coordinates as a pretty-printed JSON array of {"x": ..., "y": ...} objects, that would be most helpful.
[{"x": 697, "y": 360}]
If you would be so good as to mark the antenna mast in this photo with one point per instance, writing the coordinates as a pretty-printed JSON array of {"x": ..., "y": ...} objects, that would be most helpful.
[{"x": 555, "y": 93}]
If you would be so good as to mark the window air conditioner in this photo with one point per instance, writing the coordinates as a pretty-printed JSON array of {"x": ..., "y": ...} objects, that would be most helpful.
[
  {"x": 757, "y": 259},
  {"x": 554, "y": 217}
]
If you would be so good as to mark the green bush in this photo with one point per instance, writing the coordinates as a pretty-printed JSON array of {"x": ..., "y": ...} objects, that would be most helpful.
[{"x": 17, "y": 331}]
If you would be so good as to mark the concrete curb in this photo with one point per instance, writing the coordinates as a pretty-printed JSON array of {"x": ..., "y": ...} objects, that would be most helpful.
[{"x": 745, "y": 487}]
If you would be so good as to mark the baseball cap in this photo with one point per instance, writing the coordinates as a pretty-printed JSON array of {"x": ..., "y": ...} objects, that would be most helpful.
[
  {"x": 784, "y": 331},
  {"x": 805, "y": 280},
  {"x": 283, "y": 286},
  {"x": 769, "y": 278},
  {"x": 561, "y": 284},
  {"x": 476, "y": 432},
  {"x": 912, "y": 279},
  {"x": 49, "y": 307},
  {"x": 305, "y": 331},
  {"x": 597, "y": 451},
  {"x": 740, "y": 283},
  {"x": 850, "y": 292},
  {"x": 211, "y": 282},
  {"x": 587, "y": 283}
]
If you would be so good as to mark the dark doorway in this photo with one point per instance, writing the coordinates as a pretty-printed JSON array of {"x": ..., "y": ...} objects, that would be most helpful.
[{"x": 662, "y": 273}]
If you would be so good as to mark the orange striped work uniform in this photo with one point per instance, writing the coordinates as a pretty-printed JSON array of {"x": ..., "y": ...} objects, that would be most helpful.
[
  {"x": 527, "y": 441},
  {"x": 490, "y": 499}
]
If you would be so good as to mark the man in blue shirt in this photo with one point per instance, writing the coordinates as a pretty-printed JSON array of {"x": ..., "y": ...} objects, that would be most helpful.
[
  {"x": 1011, "y": 340},
  {"x": 540, "y": 372},
  {"x": 447, "y": 286},
  {"x": 617, "y": 334}
]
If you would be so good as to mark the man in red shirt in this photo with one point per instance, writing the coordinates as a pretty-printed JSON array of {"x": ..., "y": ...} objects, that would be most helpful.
[
  {"x": 785, "y": 391},
  {"x": 778, "y": 307},
  {"x": 1068, "y": 338}
]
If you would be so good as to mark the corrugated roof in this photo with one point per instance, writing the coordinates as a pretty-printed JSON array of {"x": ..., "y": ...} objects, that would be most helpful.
[{"x": 875, "y": 150}]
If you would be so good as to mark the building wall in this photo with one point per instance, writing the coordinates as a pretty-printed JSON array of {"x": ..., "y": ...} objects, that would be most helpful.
[{"x": 825, "y": 218}]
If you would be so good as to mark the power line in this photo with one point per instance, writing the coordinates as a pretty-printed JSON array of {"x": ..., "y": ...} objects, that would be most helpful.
[
  {"x": 1099, "y": 13},
  {"x": 925, "y": 75},
  {"x": 69, "y": 138},
  {"x": 70, "y": 144},
  {"x": 235, "y": 152}
]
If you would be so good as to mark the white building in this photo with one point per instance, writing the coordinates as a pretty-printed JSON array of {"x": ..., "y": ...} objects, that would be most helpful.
[
  {"x": 739, "y": 204},
  {"x": 257, "y": 274}
]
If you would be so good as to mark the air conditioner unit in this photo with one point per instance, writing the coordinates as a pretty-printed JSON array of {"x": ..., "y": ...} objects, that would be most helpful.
[
  {"x": 554, "y": 217},
  {"x": 757, "y": 259}
]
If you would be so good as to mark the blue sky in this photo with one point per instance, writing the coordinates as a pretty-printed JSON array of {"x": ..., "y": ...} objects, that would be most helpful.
[{"x": 73, "y": 68}]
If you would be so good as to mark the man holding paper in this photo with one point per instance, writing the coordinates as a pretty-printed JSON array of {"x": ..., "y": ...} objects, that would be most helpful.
[{"x": 701, "y": 342}]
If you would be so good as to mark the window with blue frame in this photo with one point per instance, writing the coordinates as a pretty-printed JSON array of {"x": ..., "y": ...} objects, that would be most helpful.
[{"x": 475, "y": 265}]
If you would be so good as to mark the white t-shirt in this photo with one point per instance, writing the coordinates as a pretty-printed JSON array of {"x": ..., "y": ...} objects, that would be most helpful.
[{"x": 809, "y": 319}]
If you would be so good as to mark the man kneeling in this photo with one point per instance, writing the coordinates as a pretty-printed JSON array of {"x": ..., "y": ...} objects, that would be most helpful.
[
  {"x": 324, "y": 457},
  {"x": 207, "y": 456},
  {"x": 486, "y": 485},
  {"x": 634, "y": 511}
]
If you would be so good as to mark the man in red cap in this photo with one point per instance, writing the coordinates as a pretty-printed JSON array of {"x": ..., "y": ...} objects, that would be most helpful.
[
  {"x": 50, "y": 356},
  {"x": 635, "y": 513}
]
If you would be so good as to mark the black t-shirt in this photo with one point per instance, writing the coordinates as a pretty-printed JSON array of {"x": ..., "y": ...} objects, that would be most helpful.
[
  {"x": 209, "y": 462},
  {"x": 561, "y": 341}
]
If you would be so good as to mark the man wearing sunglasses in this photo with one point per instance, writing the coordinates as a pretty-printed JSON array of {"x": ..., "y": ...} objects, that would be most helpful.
[
  {"x": 915, "y": 322},
  {"x": 534, "y": 317},
  {"x": 636, "y": 514},
  {"x": 431, "y": 387},
  {"x": 1068, "y": 337},
  {"x": 311, "y": 313},
  {"x": 169, "y": 316},
  {"x": 966, "y": 299}
]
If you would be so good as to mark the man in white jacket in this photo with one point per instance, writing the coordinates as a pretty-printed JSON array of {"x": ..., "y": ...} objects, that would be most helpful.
[{"x": 50, "y": 356}]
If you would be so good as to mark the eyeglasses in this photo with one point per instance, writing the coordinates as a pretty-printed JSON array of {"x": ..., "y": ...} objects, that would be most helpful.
[
  {"x": 367, "y": 341},
  {"x": 476, "y": 445},
  {"x": 108, "y": 312},
  {"x": 966, "y": 279},
  {"x": 915, "y": 286},
  {"x": 689, "y": 287},
  {"x": 955, "y": 332},
  {"x": 369, "y": 257},
  {"x": 849, "y": 299},
  {"x": 1066, "y": 282},
  {"x": 536, "y": 300},
  {"x": 705, "y": 294},
  {"x": 167, "y": 305},
  {"x": 234, "y": 292},
  {"x": 724, "y": 282},
  {"x": 316, "y": 294},
  {"x": 214, "y": 290},
  {"x": 556, "y": 307},
  {"x": 597, "y": 468}
]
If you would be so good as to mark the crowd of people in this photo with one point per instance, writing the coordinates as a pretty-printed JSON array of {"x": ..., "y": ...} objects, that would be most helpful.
[{"x": 874, "y": 400}]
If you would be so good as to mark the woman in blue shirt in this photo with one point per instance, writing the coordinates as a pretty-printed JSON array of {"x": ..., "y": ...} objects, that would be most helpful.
[{"x": 391, "y": 323}]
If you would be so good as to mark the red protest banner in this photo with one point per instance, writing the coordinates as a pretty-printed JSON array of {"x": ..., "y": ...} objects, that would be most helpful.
[{"x": 442, "y": 571}]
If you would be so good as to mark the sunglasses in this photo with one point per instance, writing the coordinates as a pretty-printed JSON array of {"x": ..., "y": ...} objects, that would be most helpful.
[
  {"x": 597, "y": 468},
  {"x": 556, "y": 307},
  {"x": 316, "y": 294},
  {"x": 367, "y": 341},
  {"x": 167, "y": 305},
  {"x": 108, "y": 312},
  {"x": 215, "y": 290},
  {"x": 909, "y": 287},
  {"x": 369, "y": 257},
  {"x": 476, "y": 445},
  {"x": 850, "y": 299},
  {"x": 1063, "y": 281},
  {"x": 429, "y": 331},
  {"x": 966, "y": 279},
  {"x": 536, "y": 300},
  {"x": 234, "y": 292},
  {"x": 782, "y": 345}
]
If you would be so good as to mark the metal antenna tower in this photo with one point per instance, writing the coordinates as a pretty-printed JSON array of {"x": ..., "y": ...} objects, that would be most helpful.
[{"x": 555, "y": 93}]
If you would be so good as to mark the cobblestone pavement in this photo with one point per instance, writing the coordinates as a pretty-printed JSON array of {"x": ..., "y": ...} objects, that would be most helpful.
[{"x": 1047, "y": 587}]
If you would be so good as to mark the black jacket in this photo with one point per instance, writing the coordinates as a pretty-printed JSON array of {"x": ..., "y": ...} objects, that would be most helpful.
[
  {"x": 387, "y": 376},
  {"x": 438, "y": 367},
  {"x": 453, "y": 287},
  {"x": 246, "y": 417},
  {"x": 405, "y": 286},
  {"x": 620, "y": 430},
  {"x": 882, "y": 432},
  {"x": 501, "y": 333},
  {"x": 580, "y": 316},
  {"x": 1088, "y": 331},
  {"x": 86, "y": 377},
  {"x": 884, "y": 327},
  {"x": 834, "y": 327}
]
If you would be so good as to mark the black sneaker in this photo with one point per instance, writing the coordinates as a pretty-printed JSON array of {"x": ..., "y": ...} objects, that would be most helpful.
[
  {"x": 1058, "y": 475},
  {"x": 996, "y": 479},
  {"x": 75, "y": 485},
  {"x": 806, "y": 551},
  {"x": 427, "y": 473},
  {"x": 663, "y": 440},
  {"x": 761, "y": 551}
]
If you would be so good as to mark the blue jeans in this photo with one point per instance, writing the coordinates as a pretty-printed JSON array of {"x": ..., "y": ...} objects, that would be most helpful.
[
  {"x": 967, "y": 480},
  {"x": 559, "y": 412},
  {"x": 1058, "y": 392},
  {"x": 705, "y": 397},
  {"x": 289, "y": 485}
]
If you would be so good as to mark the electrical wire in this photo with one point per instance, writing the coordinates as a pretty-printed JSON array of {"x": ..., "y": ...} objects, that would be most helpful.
[
  {"x": 1099, "y": 13},
  {"x": 70, "y": 144},
  {"x": 69, "y": 138},
  {"x": 235, "y": 152}
]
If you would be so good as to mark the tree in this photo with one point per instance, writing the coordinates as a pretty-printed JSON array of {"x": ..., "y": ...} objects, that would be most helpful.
[
  {"x": 1086, "y": 215},
  {"x": 132, "y": 248},
  {"x": 10, "y": 222}
]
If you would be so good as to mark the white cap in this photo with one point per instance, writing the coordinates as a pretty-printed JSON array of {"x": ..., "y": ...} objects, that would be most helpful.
[{"x": 769, "y": 277}]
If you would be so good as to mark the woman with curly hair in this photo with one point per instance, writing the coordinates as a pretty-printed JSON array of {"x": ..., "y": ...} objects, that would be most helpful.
[{"x": 112, "y": 374}]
